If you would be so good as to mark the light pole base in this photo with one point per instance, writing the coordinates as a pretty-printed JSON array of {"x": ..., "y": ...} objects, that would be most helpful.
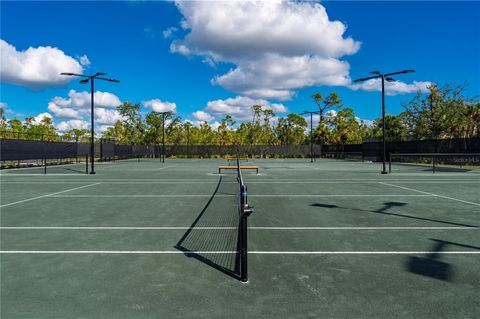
[{"x": 92, "y": 173}]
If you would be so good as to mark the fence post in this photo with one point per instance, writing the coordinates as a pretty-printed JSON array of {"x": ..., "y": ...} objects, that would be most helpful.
[
  {"x": 101, "y": 150},
  {"x": 86, "y": 164},
  {"x": 389, "y": 163},
  {"x": 76, "y": 148}
]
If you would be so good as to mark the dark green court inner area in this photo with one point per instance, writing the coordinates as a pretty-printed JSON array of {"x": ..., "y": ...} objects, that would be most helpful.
[{"x": 329, "y": 239}]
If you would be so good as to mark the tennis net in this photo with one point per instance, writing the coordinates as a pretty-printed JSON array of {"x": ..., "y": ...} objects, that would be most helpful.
[{"x": 436, "y": 162}]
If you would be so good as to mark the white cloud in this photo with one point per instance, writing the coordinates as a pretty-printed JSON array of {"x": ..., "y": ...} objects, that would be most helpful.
[
  {"x": 77, "y": 104},
  {"x": 84, "y": 61},
  {"x": 168, "y": 32},
  {"x": 215, "y": 125},
  {"x": 240, "y": 107},
  {"x": 368, "y": 123},
  {"x": 202, "y": 116},
  {"x": 392, "y": 88},
  {"x": 275, "y": 76},
  {"x": 158, "y": 106},
  {"x": 72, "y": 124},
  {"x": 36, "y": 68},
  {"x": 3, "y": 104},
  {"x": 276, "y": 46},
  {"x": 37, "y": 119},
  {"x": 101, "y": 128},
  {"x": 63, "y": 112},
  {"x": 106, "y": 116},
  {"x": 76, "y": 108}
]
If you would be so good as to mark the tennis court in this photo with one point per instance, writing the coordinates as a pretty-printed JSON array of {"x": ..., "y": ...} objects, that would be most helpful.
[{"x": 329, "y": 239}]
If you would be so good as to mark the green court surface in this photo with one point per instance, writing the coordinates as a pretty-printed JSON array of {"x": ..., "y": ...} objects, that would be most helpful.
[{"x": 329, "y": 239}]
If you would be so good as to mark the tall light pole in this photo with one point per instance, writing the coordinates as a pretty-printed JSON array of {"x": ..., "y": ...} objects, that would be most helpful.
[
  {"x": 164, "y": 114},
  {"x": 312, "y": 157},
  {"x": 384, "y": 77},
  {"x": 85, "y": 80}
]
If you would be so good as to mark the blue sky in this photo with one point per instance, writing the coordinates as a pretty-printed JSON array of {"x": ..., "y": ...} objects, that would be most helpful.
[{"x": 226, "y": 56}]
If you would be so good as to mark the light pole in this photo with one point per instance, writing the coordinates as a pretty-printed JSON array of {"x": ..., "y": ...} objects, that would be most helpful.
[
  {"x": 383, "y": 77},
  {"x": 85, "y": 80},
  {"x": 312, "y": 157},
  {"x": 164, "y": 114}
]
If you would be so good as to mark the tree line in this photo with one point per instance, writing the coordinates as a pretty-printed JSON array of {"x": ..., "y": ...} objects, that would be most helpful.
[{"x": 442, "y": 113}]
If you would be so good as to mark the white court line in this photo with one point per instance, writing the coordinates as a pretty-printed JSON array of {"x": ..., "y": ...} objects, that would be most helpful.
[
  {"x": 433, "y": 179},
  {"x": 140, "y": 196},
  {"x": 226, "y": 228},
  {"x": 48, "y": 195},
  {"x": 233, "y": 195},
  {"x": 254, "y": 252},
  {"x": 216, "y": 182},
  {"x": 40, "y": 174},
  {"x": 41, "y": 167},
  {"x": 431, "y": 194}
]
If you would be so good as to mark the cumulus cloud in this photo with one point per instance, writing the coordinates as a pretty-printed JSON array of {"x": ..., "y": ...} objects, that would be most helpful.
[
  {"x": 240, "y": 108},
  {"x": 76, "y": 109},
  {"x": 36, "y": 68},
  {"x": 158, "y": 106},
  {"x": 276, "y": 46},
  {"x": 107, "y": 116},
  {"x": 84, "y": 61},
  {"x": 202, "y": 116},
  {"x": 72, "y": 124},
  {"x": 77, "y": 104},
  {"x": 38, "y": 119},
  {"x": 392, "y": 88},
  {"x": 169, "y": 32},
  {"x": 64, "y": 112},
  {"x": 3, "y": 104}
]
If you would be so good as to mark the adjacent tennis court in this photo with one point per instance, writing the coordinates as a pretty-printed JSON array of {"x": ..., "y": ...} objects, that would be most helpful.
[{"x": 329, "y": 239}]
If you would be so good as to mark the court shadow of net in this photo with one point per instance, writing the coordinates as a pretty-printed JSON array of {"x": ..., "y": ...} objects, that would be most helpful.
[
  {"x": 213, "y": 236},
  {"x": 389, "y": 205}
]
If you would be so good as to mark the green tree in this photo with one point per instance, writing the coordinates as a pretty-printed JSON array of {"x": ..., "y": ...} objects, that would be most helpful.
[{"x": 395, "y": 128}]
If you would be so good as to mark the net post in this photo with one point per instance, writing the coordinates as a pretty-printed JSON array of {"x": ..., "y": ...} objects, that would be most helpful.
[
  {"x": 243, "y": 249},
  {"x": 44, "y": 165},
  {"x": 86, "y": 164},
  {"x": 433, "y": 164},
  {"x": 243, "y": 235}
]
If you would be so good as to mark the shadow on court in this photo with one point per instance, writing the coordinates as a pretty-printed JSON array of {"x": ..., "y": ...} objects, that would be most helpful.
[
  {"x": 384, "y": 210},
  {"x": 431, "y": 265},
  {"x": 213, "y": 238}
]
